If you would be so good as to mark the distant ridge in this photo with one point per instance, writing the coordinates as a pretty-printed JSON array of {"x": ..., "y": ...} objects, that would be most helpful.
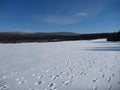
[{"x": 43, "y": 33}]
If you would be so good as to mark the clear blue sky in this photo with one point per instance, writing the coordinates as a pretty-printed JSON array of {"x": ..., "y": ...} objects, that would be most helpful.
[{"x": 82, "y": 16}]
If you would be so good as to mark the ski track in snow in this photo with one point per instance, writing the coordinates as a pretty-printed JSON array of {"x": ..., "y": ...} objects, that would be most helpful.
[{"x": 73, "y": 65}]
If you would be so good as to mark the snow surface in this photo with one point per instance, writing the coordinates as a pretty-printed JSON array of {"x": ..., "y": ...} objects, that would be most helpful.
[{"x": 70, "y": 65}]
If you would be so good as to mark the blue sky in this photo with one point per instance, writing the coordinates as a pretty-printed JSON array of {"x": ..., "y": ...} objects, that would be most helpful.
[{"x": 81, "y": 16}]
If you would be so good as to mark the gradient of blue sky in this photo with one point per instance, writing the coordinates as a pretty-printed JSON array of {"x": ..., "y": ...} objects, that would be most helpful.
[{"x": 82, "y": 16}]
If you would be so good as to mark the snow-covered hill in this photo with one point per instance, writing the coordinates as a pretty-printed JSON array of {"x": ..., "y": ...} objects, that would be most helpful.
[{"x": 70, "y": 65}]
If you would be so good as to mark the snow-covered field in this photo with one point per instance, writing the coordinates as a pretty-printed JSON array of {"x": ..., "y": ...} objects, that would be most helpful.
[{"x": 70, "y": 65}]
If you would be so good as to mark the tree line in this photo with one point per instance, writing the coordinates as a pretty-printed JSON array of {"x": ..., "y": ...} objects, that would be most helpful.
[
  {"x": 18, "y": 37},
  {"x": 114, "y": 36}
]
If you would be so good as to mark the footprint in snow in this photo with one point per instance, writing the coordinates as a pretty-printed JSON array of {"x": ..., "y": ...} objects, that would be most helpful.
[
  {"x": 82, "y": 73},
  {"x": 70, "y": 77},
  {"x": 66, "y": 83},
  {"x": 93, "y": 61},
  {"x": 90, "y": 66},
  {"x": 55, "y": 77},
  {"x": 52, "y": 77},
  {"x": 113, "y": 74},
  {"x": 55, "y": 67},
  {"x": 67, "y": 73},
  {"x": 71, "y": 69},
  {"x": 14, "y": 73},
  {"x": 118, "y": 82},
  {"x": 102, "y": 75},
  {"x": 40, "y": 76},
  {"x": 5, "y": 87},
  {"x": 21, "y": 80},
  {"x": 95, "y": 79},
  {"x": 34, "y": 74},
  {"x": 52, "y": 86},
  {"x": 17, "y": 79},
  {"x": 85, "y": 73},
  {"x": 101, "y": 70},
  {"x": 109, "y": 79},
  {"x": 38, "y": 83},
  {"x": 60, "y": 73}
]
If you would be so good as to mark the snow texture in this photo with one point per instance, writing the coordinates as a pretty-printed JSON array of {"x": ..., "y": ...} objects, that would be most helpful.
[{"x": 69, "y": 65}]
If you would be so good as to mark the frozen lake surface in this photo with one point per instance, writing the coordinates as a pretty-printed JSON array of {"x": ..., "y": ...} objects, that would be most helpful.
[{"x": 69, "y": 65}]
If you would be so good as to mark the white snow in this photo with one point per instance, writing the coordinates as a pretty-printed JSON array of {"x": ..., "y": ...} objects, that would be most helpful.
[{"x": 69, "y": 65}]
